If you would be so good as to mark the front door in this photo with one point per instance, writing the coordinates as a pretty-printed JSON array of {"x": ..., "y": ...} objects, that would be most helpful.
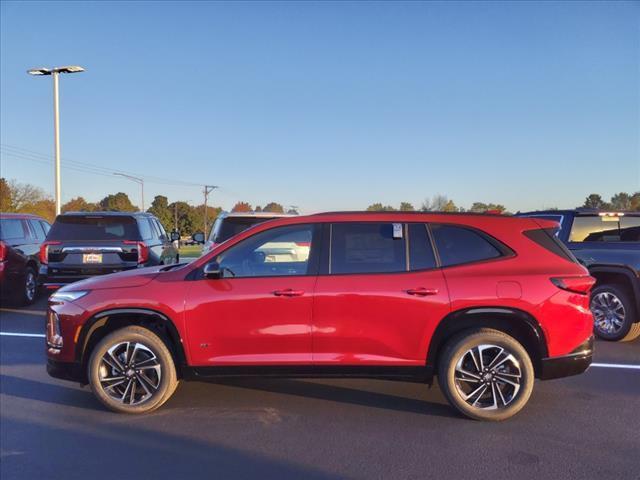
[{"x": 259, "y": 311}]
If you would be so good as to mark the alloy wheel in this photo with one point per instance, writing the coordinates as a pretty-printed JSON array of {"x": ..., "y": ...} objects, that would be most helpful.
[
  {"x": 488, "y": 377},
  {"x": 30, "y": 286},
  {"x": 129, "y": 373},
  {"x": 608, "y": 312}
]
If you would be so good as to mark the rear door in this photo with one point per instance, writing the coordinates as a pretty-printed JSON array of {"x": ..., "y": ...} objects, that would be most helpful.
[{"x": 380, "y": 297}]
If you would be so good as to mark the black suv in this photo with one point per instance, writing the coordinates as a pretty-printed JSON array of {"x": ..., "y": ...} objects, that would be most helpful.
[
  {"x": 608, "y": 244},
  {"x": 20, "y": 239},
  {"x": 84, "y": 244}
]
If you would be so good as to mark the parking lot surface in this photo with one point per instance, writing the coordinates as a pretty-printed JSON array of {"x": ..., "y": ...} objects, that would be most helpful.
[{"x": 584, "y": 427}]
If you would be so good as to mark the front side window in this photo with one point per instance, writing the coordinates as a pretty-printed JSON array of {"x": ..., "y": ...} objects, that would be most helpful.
[
  {"x": 605, "y": 229},
  {"x": 367, "y": 248},
  {"x": 458, "y": 245},
  {"x": 276, "y": 252}
]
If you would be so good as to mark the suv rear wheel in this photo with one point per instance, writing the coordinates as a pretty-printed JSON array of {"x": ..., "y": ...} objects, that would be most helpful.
[
  {"x": 486, "y": 374},
  {"x": 131, "y": 370},
  {"x": 613, "y": 314},
  {"x": 27, "y": 295}
]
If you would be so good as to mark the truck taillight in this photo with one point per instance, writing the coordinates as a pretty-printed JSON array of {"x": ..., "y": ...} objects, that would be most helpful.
[
  {"x": 44, "y": 252},
  {"x": 143, "y": 250},
  {"x": 576, "y": 284}
]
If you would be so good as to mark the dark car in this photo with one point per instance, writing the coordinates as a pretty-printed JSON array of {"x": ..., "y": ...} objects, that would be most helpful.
[
  {"x": 478, "y": 300},
  {"x": 20, "y": 239},
  {"x": 81, "y": 245},
  {"x": 608, "y": 244}
]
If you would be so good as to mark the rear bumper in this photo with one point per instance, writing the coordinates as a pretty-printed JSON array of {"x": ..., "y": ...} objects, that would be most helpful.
[
  {"x": 66, "y": 371},
  {"x": 567, "y": 365},
  {"x": 53, "y": 278}
]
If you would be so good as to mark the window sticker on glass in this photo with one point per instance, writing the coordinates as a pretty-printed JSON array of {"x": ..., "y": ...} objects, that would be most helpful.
[{"x": 397, "y": 230}]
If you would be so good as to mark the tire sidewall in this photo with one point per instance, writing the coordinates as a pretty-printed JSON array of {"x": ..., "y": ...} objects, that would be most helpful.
[
  {"x": 22, "y": 294},
  {"x": 160, "y": 350},
  {"x": 628, "y": 308},
  {"x": 462, "y": 344}
]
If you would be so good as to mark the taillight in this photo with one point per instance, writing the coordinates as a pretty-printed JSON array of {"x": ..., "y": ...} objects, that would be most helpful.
[
  {"x": 143, "y": 250},
  {"x": 44, "y": 251},
  {"x": 579, "y": 284},
  {"x": 3, "y": 251}
]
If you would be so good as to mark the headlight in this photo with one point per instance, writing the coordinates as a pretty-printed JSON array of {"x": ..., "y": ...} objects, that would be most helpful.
[
  {"x": 68, "y": 296},
  {"x": 54, "y": 337}
]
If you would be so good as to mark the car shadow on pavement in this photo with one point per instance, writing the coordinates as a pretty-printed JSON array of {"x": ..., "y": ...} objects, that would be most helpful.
[
  {"x": 47, "y": 392},
  {"x": 343, "y": 394}
]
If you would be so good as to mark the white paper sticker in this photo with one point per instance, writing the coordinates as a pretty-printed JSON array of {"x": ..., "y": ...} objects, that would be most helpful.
[{"x": 397, "y": 230}]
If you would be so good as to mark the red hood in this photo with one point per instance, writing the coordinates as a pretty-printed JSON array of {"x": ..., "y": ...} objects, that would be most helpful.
[{"x": 127, "y": 279}]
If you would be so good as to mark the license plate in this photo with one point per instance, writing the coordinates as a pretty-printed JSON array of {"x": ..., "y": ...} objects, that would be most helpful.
[{"x": 91, "y": 258}]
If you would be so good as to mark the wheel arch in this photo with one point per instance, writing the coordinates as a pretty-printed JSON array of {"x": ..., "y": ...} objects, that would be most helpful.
[
  {"x": 107, "y": 321},
  {"x": 611, "y": 274},
  {"x": 517, "y": 323}
]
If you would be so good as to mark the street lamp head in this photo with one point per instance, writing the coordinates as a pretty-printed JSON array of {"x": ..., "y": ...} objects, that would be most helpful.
[
  {"x": 49, "y": 71},
  {"x": 39, "y": 71}
]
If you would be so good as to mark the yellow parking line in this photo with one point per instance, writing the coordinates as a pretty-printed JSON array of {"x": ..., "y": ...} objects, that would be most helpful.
[{"x": 26, "y": 312}]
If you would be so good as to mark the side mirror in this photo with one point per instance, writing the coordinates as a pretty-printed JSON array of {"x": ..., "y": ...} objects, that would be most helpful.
[
  {"x": 212, "y": 270},
  {"x": 198, "y": 237},
  {"x": 175, "y": 236}
]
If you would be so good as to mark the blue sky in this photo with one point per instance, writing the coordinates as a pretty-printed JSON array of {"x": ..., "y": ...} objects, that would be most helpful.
[{"x": 331, "y": 105}]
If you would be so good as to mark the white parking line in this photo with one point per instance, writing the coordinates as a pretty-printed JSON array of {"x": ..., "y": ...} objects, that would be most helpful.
[
  {"x": 596, "y": 365},
  {"x": 18, "y": 334}
]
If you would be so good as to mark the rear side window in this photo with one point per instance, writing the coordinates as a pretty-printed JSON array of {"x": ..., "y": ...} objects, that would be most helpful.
[
  {"x": 46, "y": 227},
  {"x": 366, "y": 248},
  {"x": 605, "y": 229},
  {"x": 11, "y": 228},
  {"x": 458, "y": 245},
  {"x": 421, "y": 254},
  {"x": 94, "y": 227},
  {"x": 145, "y": 229},
  {"x": 547, "y": 238},
  {"x": 36, "y": 228}
]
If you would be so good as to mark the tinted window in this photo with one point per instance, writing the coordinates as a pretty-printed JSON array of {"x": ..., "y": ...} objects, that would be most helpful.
[
  {"x": 159, "y": 227},
  {"x": 11, "y": 228},
  {"x": 420, "y": 251},
  {"x": 36, "y": 228},
  {"x": 276, "y": 252},
  {"x": 145, "y": 229},
  {"x": 457, "y": 245},
  {"x": 366, "y": 248},
  {"x": 605, "y": 229},
  {"x": 94, "y": 227},
  {"x": 548, "y": 238},
  {"x": 45, "y": 226},
  {"x": 229, "y": 227}
]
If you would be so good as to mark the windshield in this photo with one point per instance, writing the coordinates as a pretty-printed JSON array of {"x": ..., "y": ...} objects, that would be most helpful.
[
  {"x": 94, "y": 227},
  {"x": 228, "y": 227}
]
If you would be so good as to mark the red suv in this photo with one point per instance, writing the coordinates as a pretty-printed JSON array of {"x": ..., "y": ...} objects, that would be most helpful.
[{"x": 486, "y": 303}]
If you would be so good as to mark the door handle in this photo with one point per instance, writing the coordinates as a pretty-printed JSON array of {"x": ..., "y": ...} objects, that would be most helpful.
[
  {"x": 289, "y": 292},
  {"x": 422, "y": 292}
]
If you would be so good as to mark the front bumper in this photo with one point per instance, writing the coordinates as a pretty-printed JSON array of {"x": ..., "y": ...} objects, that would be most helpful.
[
  {"x": 66, "y": 371},
  {"x": 573, "y": 364}
]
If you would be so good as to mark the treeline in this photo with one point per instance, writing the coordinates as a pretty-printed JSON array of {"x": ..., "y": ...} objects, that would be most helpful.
[{"x": 439, "y": 203}]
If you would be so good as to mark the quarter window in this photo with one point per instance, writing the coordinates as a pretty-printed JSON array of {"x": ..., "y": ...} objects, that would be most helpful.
[
  {"x": 276, "y": 252},
  {"x": 366, "y": 248},
  {"x": 458, "y": 245},
  {"x": 145, "y": 229},
  {"x": 36, "y": 227},
  {"x": 420, "y": 250}
]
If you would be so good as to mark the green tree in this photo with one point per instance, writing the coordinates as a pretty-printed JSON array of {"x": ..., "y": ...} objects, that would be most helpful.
[
  {"x": 436, "y": 204},
  {"x": 273, "y": 207},
  {"x": 241, "y": 207},
  {"x": 117, "y": 203},
  {"x": 6, "y": 200},
  {"x": 635, "y": 202},
  {"x": 594, "y": 201},
  {"x": 378, "y": 207},
  {"x": 480, "y": 207},
  {"x": 621, "y": 201},
  {"x": 406, "y": 207},
  {"x": 187, "y": 223},
  {"x": 450, "y": 207},
  {"x": 160, "y": 208},
  {"x": 78, "y": 204},
  {"x": 198, "y": 217}
]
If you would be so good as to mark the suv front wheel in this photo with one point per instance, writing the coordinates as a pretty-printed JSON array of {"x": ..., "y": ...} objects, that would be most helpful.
[
  {"x": 131, "y": 370},
  {"x": 486, "y": 374}
]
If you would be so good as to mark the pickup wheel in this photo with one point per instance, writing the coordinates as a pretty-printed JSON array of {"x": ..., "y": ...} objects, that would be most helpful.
[
  {"x": 486, "y": 374},
  {"x": 131, "y": 370},
  {"x": 614, "y": 314}
]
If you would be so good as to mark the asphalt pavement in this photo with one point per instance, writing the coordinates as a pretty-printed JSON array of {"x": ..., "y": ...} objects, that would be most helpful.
[{"x": 584, "y": 427}]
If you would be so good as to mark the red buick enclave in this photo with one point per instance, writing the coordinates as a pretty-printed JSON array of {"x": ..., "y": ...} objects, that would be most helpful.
[{"x": 487, "y": 303}]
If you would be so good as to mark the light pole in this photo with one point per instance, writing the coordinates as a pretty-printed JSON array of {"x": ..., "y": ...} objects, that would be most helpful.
[
  {"x": 54, "y": 72},
  {"x": 207, "y": 190},
  {"x": 139, "y": 181}
]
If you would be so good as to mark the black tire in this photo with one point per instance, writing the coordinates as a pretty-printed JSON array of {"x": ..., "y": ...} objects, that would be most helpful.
[
  {"x": 492, "y": 404},
  {"x": 28, "y": 291},
  {"x": 607, "y": 302},
  {"x": 138, "y": 380}
]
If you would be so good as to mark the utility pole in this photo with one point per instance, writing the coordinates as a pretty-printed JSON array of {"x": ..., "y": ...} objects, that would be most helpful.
[
  {"x": 175, "y": 216},
  {"x": 54, "y": 72},
  {"x": 139, "y": 181},
  {"x": 207, "y": 190}
]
